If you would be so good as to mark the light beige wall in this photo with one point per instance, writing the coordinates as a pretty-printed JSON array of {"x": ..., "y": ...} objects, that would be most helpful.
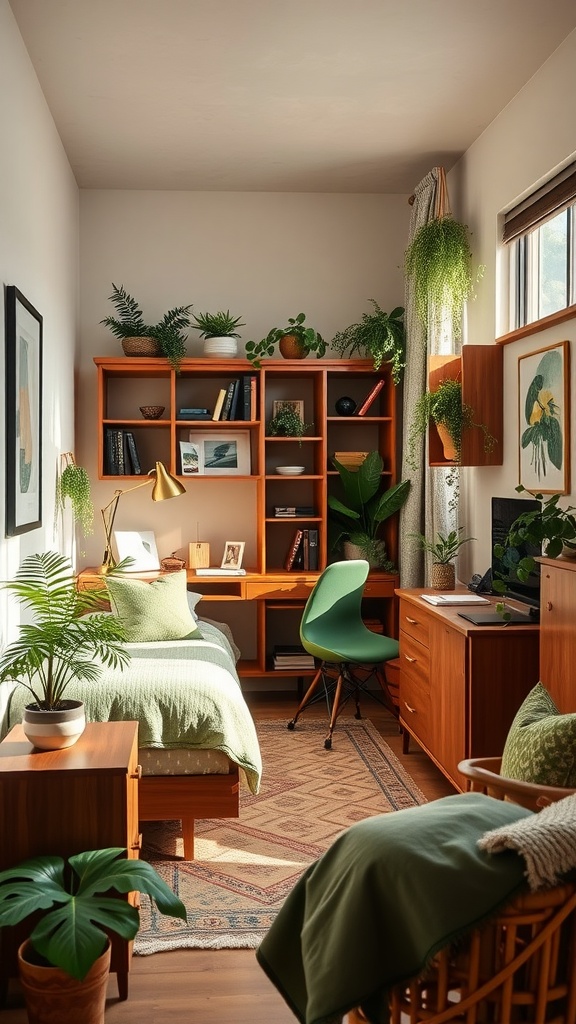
[
  {"x": 264, "y": 256},
  {"x": 38, "y": 254},
  {"x": 534, "y": 135}
]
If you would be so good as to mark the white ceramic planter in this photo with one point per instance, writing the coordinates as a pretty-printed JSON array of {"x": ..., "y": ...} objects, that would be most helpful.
[
  {"x": 221, "y": 348},
  {"x": 53, "y": 730}
]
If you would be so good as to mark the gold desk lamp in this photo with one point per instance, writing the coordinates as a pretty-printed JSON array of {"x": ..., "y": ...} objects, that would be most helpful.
[{"x": 165, "y": 486}]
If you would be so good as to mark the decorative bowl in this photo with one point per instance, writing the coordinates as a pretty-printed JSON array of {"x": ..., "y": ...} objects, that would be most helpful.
[
  {"x": 290, "y": 470},
  {"x": 152, "y": 412}
]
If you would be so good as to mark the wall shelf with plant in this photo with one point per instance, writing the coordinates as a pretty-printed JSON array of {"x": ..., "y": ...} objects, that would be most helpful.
[{"x": 479, "y": 370}]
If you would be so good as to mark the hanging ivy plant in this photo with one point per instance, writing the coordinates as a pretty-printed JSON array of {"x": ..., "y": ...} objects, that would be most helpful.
[
  {"x": 439, "y": 259},
  {"x": 74, "y": 484}
]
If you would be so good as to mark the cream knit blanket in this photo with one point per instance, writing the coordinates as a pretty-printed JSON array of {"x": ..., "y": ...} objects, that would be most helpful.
[{"x": 546, "y": 841}]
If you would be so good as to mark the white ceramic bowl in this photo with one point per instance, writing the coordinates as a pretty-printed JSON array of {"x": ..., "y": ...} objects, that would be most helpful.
[{"x": 290, "y": 470}]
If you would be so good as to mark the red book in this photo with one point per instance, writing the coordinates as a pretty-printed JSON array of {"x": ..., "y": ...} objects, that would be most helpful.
[
  {"x": 292, "y": 550},
  {"x": 370, "y": 397}
]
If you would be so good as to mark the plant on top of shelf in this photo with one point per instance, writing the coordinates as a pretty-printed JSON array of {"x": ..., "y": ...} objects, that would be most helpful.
[
  {"x": 217, "y": 325},
  {"x": 287, "y": 423},
  {"x": 439, "y": 260},
  {"x": 294, "y": 341},
  {"x": 357, "y": 520},
  {"x": 167, "y": 333},
  {"x": 379, "y": 336}
]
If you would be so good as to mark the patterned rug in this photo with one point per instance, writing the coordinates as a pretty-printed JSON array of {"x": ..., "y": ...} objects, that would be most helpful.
[{"x": 245, "y": 867}]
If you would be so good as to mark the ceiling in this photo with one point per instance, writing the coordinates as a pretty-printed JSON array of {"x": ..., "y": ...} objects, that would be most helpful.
[{"x": 280, "y": 95}]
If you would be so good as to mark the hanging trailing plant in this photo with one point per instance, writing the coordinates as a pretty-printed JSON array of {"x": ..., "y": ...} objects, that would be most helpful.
[
  {"x": 439, "y": 259},
  {"x": 74, "y": 484}
]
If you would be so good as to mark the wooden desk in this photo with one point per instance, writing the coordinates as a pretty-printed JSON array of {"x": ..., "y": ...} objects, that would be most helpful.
[
  {"x": 460, "y": 684},
  {"x": 83, "y": 797}
]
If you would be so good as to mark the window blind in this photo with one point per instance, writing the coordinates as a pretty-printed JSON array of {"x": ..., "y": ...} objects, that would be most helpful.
[{"x": 549, "y": 200}]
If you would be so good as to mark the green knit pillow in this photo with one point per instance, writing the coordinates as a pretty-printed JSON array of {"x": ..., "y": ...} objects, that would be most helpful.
[
  {"x": 153, "y": 611},
  {"x": 541, "y": 743}
]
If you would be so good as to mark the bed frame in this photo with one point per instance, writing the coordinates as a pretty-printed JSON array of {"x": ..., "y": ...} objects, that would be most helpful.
[{"x": 187, "y": 797}]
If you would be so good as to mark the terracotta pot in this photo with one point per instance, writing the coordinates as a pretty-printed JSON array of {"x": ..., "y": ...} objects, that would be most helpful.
[
  {"x": 447, "y": 443},
  {"x": 292, "y": 348},
  {"x": 53, "y": 995},
  {"x": 53, "y": 730},
  {"x": 141, "y": 347},
  {"x": 443, "y": 576}
]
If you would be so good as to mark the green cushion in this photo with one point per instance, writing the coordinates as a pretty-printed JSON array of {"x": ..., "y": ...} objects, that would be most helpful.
[
  {"x": 541, "y": 743},
  {"x": 153, "y": 611}
]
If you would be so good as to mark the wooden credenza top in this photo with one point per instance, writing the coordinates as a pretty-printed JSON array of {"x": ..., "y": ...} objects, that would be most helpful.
[
  {"x": 103, "y": 746},
  {"x": 450, "y": 613}
]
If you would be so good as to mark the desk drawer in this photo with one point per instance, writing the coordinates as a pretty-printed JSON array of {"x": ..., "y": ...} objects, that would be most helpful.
[
  {"x": 414, "y": 622},
  {"x": 414, "y": 660},
  {"x": 286, "y": 590},
  {"x": 415, "y": 699}
]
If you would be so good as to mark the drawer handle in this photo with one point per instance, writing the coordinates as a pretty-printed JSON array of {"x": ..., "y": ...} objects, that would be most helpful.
[
  {"x": 413, "y": 622},
  {"x": 137, "y": 844},
  {"x": 411, "y": 660},
  {"x": 549, "y": 606},
  {"x": 411, "y": 710},
  {"x": 138, "y": 773}
]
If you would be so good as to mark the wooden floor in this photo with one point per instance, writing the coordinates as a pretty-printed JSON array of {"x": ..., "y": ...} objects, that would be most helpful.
[{"x": 227, "y": 986}]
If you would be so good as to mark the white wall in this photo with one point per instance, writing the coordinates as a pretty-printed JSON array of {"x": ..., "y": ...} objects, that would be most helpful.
[
  {"x": 264, "y": 256},
  {"x": 39, "y": 254},
  {"x": 534, "y": 135}
]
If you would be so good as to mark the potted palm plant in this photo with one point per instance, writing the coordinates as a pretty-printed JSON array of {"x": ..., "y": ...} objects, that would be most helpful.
[
  {"x": 219, "y": 332},
  {"x": 295, "y": 341},
  {"x": 355, "y": 522},
  {"x": 444, "y": 550},
  {"x": 63, "y": 643},
  {"x": 140, "y": 339},
  {"x": 378, "y": 336},
  {"x": 64, "y": 963}
]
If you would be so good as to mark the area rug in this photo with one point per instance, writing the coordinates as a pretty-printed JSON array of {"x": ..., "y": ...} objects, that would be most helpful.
[{"x": 245, "y": 867}]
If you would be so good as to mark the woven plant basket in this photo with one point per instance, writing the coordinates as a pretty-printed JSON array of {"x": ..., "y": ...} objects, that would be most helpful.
[
  {"x": 443, "y": 576},
  {"x": 141, "y": 347}
]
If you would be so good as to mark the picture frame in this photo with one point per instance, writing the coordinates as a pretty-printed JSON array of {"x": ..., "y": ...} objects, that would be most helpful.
[
  {"x": 140, "y": 546},
  {"x": 233, "y": 554},
  {"x": 190, "y": 458},
  {"x": 222, "y": 452},
  {"x": 297, "y": 404},
  {"x": 544, "y": 419},
  {"x": 23, "y": 403}
]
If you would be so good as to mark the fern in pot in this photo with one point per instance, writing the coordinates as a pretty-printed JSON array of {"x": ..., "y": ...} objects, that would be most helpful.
[
  {"x": 378, "y": 336},
  {"x": 165, "y": 338}
]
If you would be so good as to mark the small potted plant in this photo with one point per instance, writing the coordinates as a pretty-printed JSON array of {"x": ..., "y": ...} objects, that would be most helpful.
[
  {"x": 378, "y": 336},
  {"x": 219, "y": 332},
  {"x": 444, "y": 550},
  {"x": 138, "y": 338},
  {"x": 355, "y": 522},
  {"x": 294, "y": 342},
  {"x": 65, "y": 962},
  {"x": 287, "y": 422},
  {"x": 63, "y": 643}
]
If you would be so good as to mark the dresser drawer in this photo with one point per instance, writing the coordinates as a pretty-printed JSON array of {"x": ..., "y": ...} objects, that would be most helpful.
[
  {"x": 415, "y": 702},
  {"x": 414, "y": 622}
]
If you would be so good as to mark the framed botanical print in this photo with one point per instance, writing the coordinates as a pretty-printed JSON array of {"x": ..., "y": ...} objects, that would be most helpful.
[
  {"x": 23, "y": 414},
  {"x": 544, "y": 419}
]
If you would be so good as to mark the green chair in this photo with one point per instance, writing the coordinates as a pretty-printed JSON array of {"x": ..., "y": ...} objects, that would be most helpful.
[{"x": 350, "y": 654}]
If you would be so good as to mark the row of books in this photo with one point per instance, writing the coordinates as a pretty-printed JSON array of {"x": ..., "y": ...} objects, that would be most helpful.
[
  {"x": 292, "y": 656},
  {"x": 238, "y": 400},
  {"x": 120, "y": 453},
  {"x": 303, "y": 551}
]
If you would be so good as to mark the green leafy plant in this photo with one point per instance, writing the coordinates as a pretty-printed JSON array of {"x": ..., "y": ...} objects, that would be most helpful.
[
  {"x": 168, "y": 332},
  {"x": 310, "y": 340},
  {"x": 63, "y": 643},
  {"x": 287, "y": 423},
  {"x": 443, "y": 548},
  {"x": 439, "y": 260},
  {"x": 217, "y": 325},
  {"x": 73, "y": 484},
  {"x": 365, "y": 507},
  {"x": 379, "y": 336},
  {"x": 444, "y": 405},
  {"x": 73, "y": 905},
  {"x": 549, "y": 528}
]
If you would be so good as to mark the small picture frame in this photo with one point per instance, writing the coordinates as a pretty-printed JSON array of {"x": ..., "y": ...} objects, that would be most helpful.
[
  {"x": 297, "y": 404},
  {"x": 233, "y": 554},
  {"x": 191, "y": 458}
]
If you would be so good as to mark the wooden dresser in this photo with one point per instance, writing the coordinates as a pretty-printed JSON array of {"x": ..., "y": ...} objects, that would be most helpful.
[
  {"x": 558, "y": 630},
  {"x": 460, "y": 684}
]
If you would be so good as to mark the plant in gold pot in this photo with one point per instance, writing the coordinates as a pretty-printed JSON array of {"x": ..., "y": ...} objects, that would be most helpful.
[
  {"x": 443, "y": 550},
  {"x": 295, "y": 341}
]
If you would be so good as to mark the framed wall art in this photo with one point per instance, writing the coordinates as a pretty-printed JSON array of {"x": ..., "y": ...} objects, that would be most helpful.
[
  {"x": 544, "y": 419},
  {"x": 23, "y": 414},
  {"x": 222, "y": 453},
  {"x": 140, "y": 546}
]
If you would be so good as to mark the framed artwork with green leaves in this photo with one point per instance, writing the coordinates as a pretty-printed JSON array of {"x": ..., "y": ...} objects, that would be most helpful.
[{"x": 544, "y": 419}]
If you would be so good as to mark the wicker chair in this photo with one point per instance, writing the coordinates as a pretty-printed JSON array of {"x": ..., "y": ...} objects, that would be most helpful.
[{"x": 518, "y": 967}]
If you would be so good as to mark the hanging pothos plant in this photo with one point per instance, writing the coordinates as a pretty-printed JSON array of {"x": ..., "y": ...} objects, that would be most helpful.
[
  {"x": 439, "y": 260},
  {"x": 74, "y": 484}
]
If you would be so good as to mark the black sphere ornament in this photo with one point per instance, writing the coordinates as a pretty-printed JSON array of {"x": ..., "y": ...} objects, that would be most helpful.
[{"x": 345, "y": 406}]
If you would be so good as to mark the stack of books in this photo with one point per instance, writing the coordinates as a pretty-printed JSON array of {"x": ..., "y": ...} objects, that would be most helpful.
[
  {"x": 292, "y": 656},
  {"x": 290, "y": 511},
  {"x": 351, "y": 460},
  {"x": 194, "y": 414}
]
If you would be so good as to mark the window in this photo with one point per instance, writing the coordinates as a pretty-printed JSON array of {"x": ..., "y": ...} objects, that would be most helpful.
[{"x": 541, "y": 233}]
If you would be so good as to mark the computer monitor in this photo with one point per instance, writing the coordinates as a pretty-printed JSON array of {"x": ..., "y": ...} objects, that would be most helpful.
[{"x": 504, "y": 512}]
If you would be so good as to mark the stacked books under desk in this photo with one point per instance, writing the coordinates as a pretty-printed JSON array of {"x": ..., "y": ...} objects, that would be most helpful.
[{"x": 292, "y": 656}]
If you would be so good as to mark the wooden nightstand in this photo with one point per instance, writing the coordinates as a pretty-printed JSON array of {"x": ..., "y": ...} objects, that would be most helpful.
[{"x": 84, "y": 797}]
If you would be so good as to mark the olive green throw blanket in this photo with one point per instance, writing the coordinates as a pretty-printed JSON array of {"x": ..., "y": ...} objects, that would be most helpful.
[{"x": 389, "y": 893}]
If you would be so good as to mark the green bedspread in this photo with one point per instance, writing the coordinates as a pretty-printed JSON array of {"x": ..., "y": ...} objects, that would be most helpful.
[
  {"x": 388, "y": 894},
  {"x": 183, "y": 694}
]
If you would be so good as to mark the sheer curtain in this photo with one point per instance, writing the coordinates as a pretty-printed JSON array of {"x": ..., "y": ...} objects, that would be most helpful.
[{"x": 426, "y": 510}]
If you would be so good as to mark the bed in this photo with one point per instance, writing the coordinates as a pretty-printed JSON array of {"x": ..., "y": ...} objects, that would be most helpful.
[{"x": 195, "y": 731}]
